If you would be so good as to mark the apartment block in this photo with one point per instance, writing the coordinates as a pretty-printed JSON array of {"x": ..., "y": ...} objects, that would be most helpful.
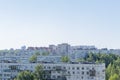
[{"x": 58, "y": 71}]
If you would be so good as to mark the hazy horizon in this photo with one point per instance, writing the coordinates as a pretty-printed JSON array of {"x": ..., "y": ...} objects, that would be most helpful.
[{"x": 44, "y": 22}]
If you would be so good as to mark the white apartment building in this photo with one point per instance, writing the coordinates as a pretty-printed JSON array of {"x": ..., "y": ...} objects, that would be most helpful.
[{"x": 59, "y": 71}]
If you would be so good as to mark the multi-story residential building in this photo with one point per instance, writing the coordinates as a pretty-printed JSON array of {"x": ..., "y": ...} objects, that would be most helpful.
[
  {"x": 26, "y": 59},
  {"x": 13, "y": 61},
  {"x": 58, "y": 71},
  {"x": 64, "y": 49}
]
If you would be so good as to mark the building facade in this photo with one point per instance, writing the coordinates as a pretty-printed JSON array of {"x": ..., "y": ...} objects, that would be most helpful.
[{"x": 59, "y": 71}]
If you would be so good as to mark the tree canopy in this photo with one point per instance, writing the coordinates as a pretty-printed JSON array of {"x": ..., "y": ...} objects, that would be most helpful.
[
  {"x": 65, "y": 59},
  {"x": 25, "y": 75},
  {"x": 38, "y": 74},
  {"x": 33, "y": 59},
  {"x": 111, "y": 61}
]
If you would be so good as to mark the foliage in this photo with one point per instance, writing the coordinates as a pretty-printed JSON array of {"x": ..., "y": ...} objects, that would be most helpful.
[
  {"x": 112, "y": 62},
  {"x": 33, "y": 59},
  {"x": 45, "y": 53},
  {"x": 25, "y": 75},
  {"x": 65, "y": 59},
  {"x": 114, "y": 77},
  {"x": 80, "y": 60},
  {"x": 37, "y": 53},
  {"x": 101, "y": 58},
  {"x": 38, "y": 74}
]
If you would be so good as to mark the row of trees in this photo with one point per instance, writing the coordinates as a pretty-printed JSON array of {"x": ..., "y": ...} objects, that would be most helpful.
[
  {"x": 113, "y": 70},
  {"x": 33, "y": 58},
  {"x": 112, "y": 62},
  {"x": 38, "y": 74}
]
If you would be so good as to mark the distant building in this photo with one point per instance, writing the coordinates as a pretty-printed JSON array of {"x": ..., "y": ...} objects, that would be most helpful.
[{"x": 63, "y": 49}]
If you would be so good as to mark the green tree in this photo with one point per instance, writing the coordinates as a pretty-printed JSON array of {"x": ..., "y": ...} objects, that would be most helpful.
[
  {"x": 114, "y": 77},
  {"x": 33, "y": 59},
  {"x": 108, "y": 71},
  {"x": 37, "y": 53},
  {"x": 25, "y": 75},
  {"x": 45, "y": 53},
  {"x": 65, "y": 59},
  {"x": 39, "y": 73},
  {"x": 80, "y": 60}
]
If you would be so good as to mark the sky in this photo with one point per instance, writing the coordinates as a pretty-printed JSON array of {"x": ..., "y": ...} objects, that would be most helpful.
[{"x": 44, "y": 22}]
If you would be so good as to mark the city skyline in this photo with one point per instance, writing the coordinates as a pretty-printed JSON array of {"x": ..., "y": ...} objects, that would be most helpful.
[
  {"x": 56, "y": 45},
  {"x": 40, "y": 23}
]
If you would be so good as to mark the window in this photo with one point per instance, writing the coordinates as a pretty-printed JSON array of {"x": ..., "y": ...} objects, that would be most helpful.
[
  {"x": 87, "y": 73},
  {"x": 103, "y": 70},
  {"x": 82, "y": 72},
  {"x": 68, "y": 72},
  {"x": 53, "y": 67},
  {"x": 54, "y": 76},
  {"x": 78, "y": 68},
  {"x": 58, "y": 76},
  {"x": 49, "y": 67},
  {"x": 58, "y": 71},
  {"x": 73, "y": 72},
  {"x": 82, "y": 68},
  {"x": 73, "y": 68},
  {"x": 64, "y": 67},
  {"x": 92, "y": 72},
  {"x": 44, "y": 67},
  {"x": 82, "y": 77}
]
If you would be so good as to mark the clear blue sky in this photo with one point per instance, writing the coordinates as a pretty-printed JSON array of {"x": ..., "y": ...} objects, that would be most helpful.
[{"x": 44, "y": 22}]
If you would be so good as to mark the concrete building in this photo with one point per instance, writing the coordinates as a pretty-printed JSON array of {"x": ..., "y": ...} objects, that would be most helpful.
[
  {"x": 13, "y": 61},
  {"x": 63, "y": 49},
  {"x": 59, "y": 71}
]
